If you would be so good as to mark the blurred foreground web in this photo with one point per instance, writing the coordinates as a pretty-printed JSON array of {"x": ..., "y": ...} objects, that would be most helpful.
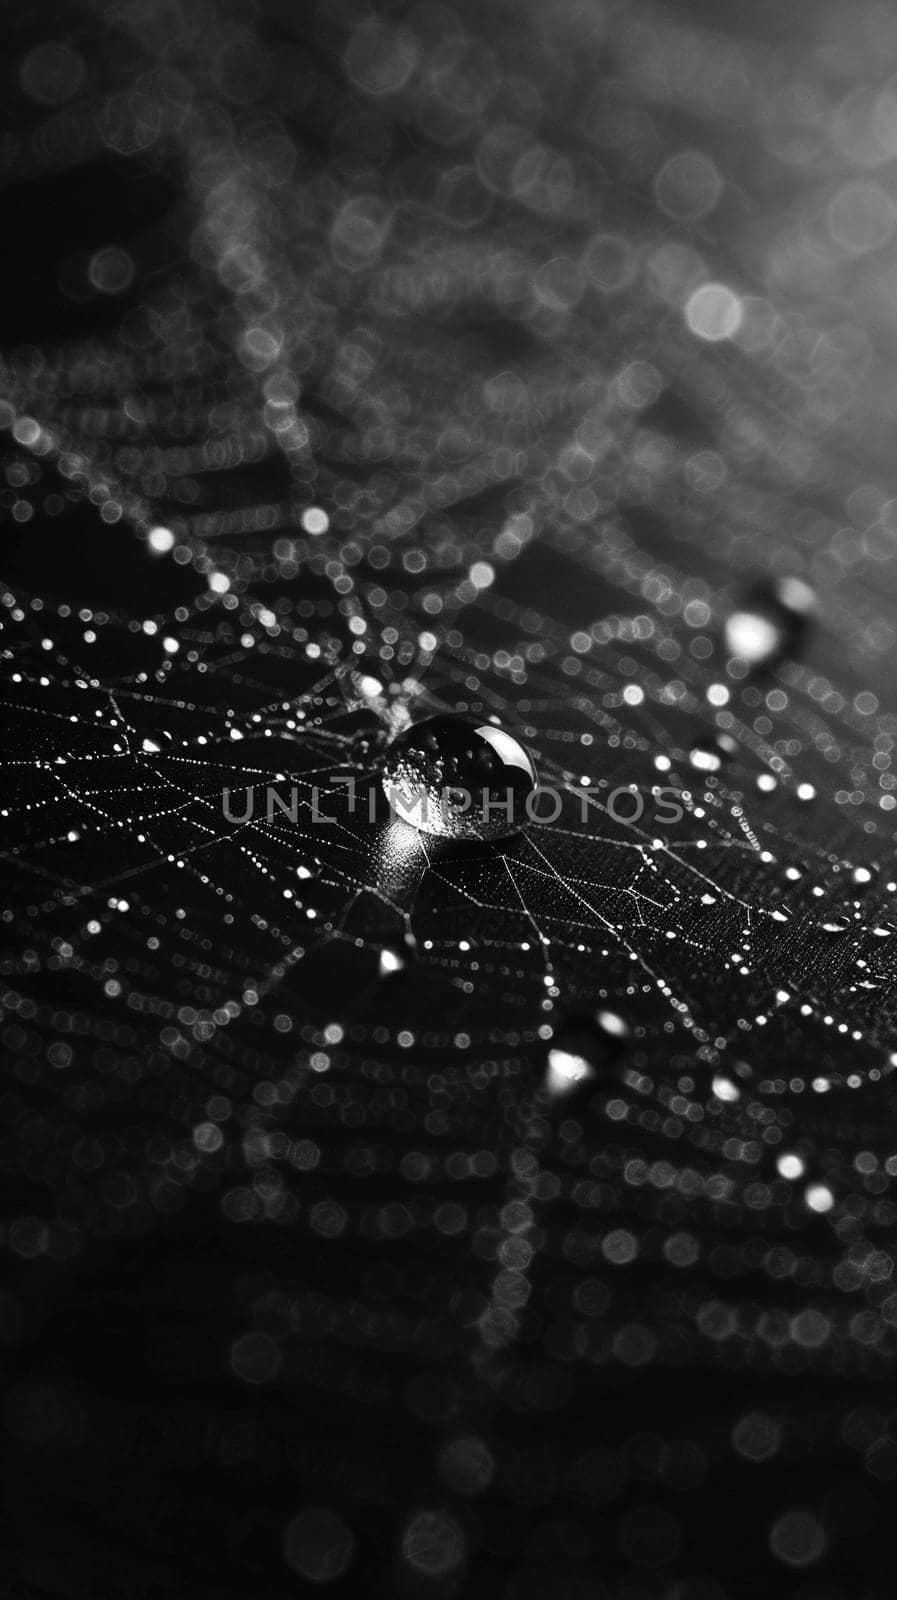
[{"x": 534, "y": 362}]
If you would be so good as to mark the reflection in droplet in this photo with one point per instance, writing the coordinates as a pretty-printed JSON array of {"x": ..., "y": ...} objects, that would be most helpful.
[
  {"x": 458, "y": 778},
  {"x": 397, "y": 863}
]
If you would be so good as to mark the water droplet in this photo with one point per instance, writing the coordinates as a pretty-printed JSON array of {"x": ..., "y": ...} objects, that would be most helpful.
[
  {"x": 819, "y": 1198},
  {"x": 709, "y": 751},
  {"x": 771, "y": 622},
  {"x": 613, "y": 1025},
  {"x": 396, "y": 955},
  {"x": 369, "y": 687},
  {"x": 153, "y": 743},
  {"x": 704, "y": 758},
  {"x": 459, "y": 778},
  {"x": 725, "y": 1089},
  {"x": 581, "y": 1044},
  {"x": 315, "y": 520},
  {"x": 566, "y": 1068}
]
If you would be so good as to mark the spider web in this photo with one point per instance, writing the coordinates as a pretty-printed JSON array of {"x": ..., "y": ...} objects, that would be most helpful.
[{"x": 393, "y": 403}]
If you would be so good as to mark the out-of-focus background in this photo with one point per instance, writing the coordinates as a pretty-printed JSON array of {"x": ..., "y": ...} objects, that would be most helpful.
[{"x": 531, "y": 1232}]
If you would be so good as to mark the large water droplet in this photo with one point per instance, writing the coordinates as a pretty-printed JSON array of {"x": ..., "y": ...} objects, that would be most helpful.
[{"x": 459, "y": 778}]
